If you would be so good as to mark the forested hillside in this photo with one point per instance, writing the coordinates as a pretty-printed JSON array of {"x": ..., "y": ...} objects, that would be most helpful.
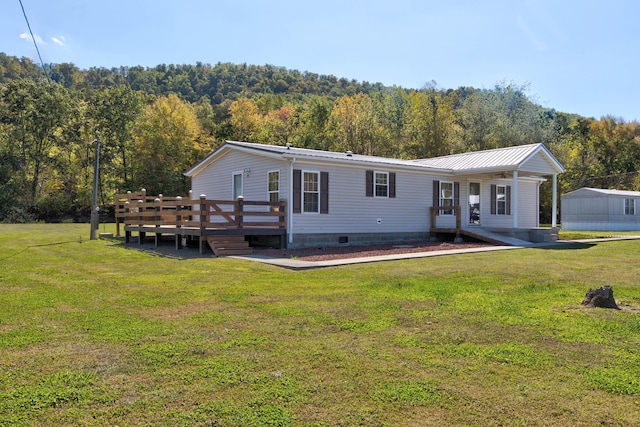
[{"x": 155, "y": 123}]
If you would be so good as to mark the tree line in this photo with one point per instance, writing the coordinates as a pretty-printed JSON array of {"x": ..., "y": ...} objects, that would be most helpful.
[{"x": 155, "y": 123}]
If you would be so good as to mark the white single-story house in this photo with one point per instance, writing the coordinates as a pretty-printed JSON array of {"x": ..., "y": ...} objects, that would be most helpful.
[
  {"x": 345, "y": 198},
  {"x": 600, "y": 209}
]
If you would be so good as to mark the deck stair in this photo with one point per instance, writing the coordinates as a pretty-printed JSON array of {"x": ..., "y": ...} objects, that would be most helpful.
[{"x": 229, "y": 245}]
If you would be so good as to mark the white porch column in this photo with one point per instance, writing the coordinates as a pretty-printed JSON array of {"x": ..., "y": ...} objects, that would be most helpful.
[
  {"x": 290, "y": 203},
  {"x": 554, "y": 202},
  {"x": 514, "y": 199}
]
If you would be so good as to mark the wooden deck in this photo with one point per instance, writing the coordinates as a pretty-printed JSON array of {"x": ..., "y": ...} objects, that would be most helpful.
[{"x": 188, "y": 218}]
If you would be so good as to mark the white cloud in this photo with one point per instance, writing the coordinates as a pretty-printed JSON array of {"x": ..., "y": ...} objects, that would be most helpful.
[
  {"x": 27, "y": 37},
  {"x": 533, "y": 38},
  {"x": 59, "y": 40}
]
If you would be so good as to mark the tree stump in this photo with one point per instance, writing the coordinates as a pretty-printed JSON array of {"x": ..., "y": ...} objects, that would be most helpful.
[{"x": 601, "y": 297}]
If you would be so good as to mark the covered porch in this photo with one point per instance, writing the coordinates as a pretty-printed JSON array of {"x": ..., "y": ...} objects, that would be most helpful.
[
  {"x": 496, "y": 235},
  {"x": 512, "y": 172}
]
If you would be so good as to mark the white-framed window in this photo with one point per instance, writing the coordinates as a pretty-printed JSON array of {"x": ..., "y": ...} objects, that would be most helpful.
[
  {"x": 273, "y": 189},
  {"x": 501, "y": 199},
  {"x": 381, "y": 184},
  {"x": 446, "y": 196},
  {"x": 237, "y": 184},
  {"x": 629, "y": 206},
  {"x": 310, "y": 192}
]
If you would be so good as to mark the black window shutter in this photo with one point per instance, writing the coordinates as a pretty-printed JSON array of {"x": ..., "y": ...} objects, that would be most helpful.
[
  {"x": 369, "y": 184},
  {"x": 493, "y": 199},
  {"x": 508, "y": 200},
  {"x": 436, "y": 195},
  {"x": 324, "y": 192},
  {"x": 297, "y": 196},
  {"x": 392, "y": 184},
  {"x": 456, "y": 194}
]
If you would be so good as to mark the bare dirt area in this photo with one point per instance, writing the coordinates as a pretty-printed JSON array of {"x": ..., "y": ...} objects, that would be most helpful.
[{"x": 345, "y": 252}]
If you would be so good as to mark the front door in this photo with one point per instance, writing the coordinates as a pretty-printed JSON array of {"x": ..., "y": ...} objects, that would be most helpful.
[{"x": 474, "y": 203}]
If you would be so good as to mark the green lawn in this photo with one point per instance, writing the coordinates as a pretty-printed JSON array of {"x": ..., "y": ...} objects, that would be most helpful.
[{"x": 94, "y": 333}]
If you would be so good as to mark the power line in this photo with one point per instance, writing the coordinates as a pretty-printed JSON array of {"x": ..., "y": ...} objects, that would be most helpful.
[{"x": 34, "y": 39}]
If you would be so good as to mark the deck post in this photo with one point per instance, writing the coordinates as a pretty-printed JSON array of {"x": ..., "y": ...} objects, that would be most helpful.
[
  {"x": 458, "y": 213},
  {"x": 432, "y": 234},
  {"x": 178, "y": 235},
  {"x": 126, "y": 210},
  {"x": 157, "y": 219},
  {"x": 282, "y": 209},
  {"x": 238, "y": 211},
  {"x": 141, "y": 234},
  {"x": 203, "y": 211},
  {"x": 203, "y": 221}
]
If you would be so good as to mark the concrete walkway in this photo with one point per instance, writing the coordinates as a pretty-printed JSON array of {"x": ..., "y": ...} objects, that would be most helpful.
[{"x": 295, "y": 264}]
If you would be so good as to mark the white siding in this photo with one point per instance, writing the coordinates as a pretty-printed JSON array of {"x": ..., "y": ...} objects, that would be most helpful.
[
  {"x": 527, "y": 205},
  {"x": 539, "y": 165},
  {"x": 351, "y": 211},
  {"x": 216, "y": 180},
  {"x": 588, "y": 211}
]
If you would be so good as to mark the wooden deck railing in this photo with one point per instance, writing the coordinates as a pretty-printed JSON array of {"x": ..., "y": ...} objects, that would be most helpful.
[{"x": 140, "y": 209}]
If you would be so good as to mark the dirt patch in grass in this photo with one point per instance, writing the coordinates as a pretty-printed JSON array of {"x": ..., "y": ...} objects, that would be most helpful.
[
  {"x": 628, "y": 307},
  {"x": 344, "y": 252}
]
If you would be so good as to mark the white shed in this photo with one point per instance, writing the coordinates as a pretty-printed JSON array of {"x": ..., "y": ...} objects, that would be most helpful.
[{"x": 600, "y": 209}]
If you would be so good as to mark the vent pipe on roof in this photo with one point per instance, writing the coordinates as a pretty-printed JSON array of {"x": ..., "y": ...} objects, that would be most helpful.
[
  {"x": 288, "y": 146},
  {"x": 349, "y": 153}
]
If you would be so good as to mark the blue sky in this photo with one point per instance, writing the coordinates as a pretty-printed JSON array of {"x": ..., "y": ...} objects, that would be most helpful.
[{"x": 575, "y": 56}]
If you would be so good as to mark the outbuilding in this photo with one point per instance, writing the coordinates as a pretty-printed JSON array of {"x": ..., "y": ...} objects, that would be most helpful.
[{"x": 601, "y": 209}]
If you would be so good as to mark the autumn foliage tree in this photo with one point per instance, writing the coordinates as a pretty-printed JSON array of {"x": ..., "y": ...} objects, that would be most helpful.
[
  {"x": 38, "y": 119},
  {"x": 157, "y": 122},
  {"x": 167, "y": 139}
]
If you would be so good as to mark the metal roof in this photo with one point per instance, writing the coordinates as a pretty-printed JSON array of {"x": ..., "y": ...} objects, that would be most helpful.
[
  {"x": 332, "y": 155},
  {"x": 585, "y": 190},
  {"x": 507, "y": 158},
  {"x": 501, "y": 159}
]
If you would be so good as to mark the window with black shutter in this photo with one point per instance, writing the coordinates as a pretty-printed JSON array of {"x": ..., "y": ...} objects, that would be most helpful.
[
  {"x": 380, "y": 184},
  {"x": 324, "y": 192},
  {"x": 310, "y": 192},
  {"x": 297, "y": 188}
]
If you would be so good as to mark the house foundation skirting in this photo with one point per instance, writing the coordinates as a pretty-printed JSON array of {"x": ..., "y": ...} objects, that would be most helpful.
[
  {"x": 318, "y": 240},
  {"x": 600, "y": 226}
]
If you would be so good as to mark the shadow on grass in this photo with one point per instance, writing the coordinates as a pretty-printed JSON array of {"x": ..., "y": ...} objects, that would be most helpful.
[
  {"x": 165, "y": 249},
  {"x": 563, "y": 246}
]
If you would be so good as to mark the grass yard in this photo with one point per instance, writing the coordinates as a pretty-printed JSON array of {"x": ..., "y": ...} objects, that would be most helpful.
[{"x": 93, "y": 333}]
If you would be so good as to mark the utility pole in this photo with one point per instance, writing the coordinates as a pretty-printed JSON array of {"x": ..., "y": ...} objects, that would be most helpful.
[{"x": 95, "y": 216}]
